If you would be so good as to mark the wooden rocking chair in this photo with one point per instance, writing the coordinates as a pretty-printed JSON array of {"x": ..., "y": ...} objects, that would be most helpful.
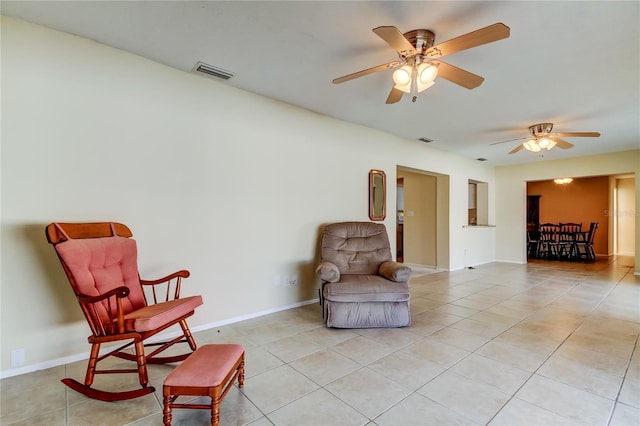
[{"x": 100, "y": 260}]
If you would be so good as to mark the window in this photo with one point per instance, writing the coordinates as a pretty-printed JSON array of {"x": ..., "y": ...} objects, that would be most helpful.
[{"x": 478, "y": 206}]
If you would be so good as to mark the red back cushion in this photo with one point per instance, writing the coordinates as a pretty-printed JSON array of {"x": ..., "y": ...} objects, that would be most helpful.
[{"x": 97, "y": 265}]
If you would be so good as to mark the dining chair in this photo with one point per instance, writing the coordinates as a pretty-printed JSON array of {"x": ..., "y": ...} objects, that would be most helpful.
[
  {"x": 584, "y": 247},
  {"x": 548, "y": 241},
  {"x": 567, "y": 236}
]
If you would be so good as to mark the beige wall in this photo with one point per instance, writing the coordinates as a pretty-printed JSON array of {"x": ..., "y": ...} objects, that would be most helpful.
[
  {"x": 225, "y": 183},
  {"x": 584, "y": 200}
]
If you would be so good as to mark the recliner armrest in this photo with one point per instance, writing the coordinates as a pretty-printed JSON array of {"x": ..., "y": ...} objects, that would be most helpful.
[
  {"x": 394, "y": 271},
  {"x": 328, "y": 272}
]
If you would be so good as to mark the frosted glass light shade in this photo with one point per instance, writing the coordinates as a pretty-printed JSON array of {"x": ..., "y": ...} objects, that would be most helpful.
[
  {"x": 424, "y": 86},
  {"x": 427, "y": 73},
  {"x": 563, "y": 181},
  {"x": 543, "y": 143},
  {"x": 531, "y": 145},
  {"x": 402, "y": 76}
]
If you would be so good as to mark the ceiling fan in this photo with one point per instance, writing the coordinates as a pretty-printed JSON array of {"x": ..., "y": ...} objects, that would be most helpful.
[
  {"x": 541, "y": 138},
  {"x": 419, "y": 63}
]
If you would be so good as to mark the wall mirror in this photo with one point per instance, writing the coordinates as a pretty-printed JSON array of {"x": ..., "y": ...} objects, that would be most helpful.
[{"x": 377, "y": 195}]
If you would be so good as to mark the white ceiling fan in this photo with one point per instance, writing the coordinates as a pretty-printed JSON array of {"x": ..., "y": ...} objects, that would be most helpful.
[{"x": 541, "y": 138}]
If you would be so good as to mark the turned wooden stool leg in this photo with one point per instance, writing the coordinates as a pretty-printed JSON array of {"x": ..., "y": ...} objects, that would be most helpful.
[
  {"x": 166, "y": 412},
  {"x": 215, "y": 410},
  {"x": 241, "y": 375}
]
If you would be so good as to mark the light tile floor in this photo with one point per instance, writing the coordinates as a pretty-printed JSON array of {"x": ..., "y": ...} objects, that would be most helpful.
[{"x": 547, "y": 343}]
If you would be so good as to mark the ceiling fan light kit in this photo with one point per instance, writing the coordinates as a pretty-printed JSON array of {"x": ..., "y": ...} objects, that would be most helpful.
[
  {"x": 535, "y": 145},
  {"x": 417, "y": 68},
  {"x": 415, "y": 79}
]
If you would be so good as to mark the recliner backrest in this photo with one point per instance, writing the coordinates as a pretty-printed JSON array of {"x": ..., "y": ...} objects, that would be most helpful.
[{"x": 356, "y": 247}]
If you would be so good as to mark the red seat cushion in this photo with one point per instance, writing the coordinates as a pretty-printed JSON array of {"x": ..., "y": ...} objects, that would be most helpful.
[
  {"x": 154, "y": 316},
  {"x": 208, "y": 366}
]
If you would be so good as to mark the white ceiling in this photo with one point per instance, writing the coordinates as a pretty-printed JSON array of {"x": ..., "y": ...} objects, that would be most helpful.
[{"x": 573, "y": 63}]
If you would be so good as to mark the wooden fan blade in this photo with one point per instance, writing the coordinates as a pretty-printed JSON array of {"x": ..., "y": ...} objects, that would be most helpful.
[
  {"x": 576, "y": 135},
  {"x": 516, "y": 149},
  {"x": 476, "y": 38},
  {"x": 396, "y": 39},
  {"x": 457, "y": 75},
  {"x": 366, "y": 72},
  {"x": 561, "y": 143},
  {"x": 394, "y": 96},
  {"x": 510, "y": 140}
]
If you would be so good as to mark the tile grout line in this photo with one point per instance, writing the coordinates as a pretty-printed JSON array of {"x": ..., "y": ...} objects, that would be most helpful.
[
  {"x": 562, "y": 343},
  {"x": 626, "y": 371},
  {"x": 624, "y": 379},
  {"x": 545, "y": 360},
  {"x": 474, "y": 352}
]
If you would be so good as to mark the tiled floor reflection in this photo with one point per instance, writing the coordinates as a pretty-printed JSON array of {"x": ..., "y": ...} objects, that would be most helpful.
[{"x": 547, "y": 343}]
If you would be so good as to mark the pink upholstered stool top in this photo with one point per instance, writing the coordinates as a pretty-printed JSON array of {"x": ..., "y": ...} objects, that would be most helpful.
[{"x": 208, "y": 366}]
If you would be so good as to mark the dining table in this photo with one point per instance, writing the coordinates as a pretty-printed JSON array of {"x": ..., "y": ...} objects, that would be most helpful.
[{"x": 559, "y": 241}]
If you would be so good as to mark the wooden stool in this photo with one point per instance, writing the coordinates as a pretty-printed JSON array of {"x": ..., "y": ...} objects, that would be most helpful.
[{"x": 209, "y": 371}]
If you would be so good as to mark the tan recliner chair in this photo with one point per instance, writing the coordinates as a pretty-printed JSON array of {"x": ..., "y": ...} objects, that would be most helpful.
[{"x": 361, "y": 287}]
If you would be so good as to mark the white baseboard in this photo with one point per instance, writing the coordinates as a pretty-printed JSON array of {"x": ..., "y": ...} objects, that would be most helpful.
[
  {"x": 516, "y": 262},
  {"x": 85, "y": 355},
  {"x": 246, "y": 317}
]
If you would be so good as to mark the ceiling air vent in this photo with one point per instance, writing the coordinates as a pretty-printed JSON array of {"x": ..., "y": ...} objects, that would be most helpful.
[
  {"x": 425, "y": 140},
  {"x": 481, "y": 159},
  {"x": 212, "y": 71}
]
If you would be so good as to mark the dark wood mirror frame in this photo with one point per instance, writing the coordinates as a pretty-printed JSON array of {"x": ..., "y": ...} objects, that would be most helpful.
[{"x": 377, "y": 195}]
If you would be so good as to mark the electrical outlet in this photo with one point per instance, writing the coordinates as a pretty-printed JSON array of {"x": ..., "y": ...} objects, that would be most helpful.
[
  {"x": 293, "y": 280},
  {"x": 17, "y": 358}
]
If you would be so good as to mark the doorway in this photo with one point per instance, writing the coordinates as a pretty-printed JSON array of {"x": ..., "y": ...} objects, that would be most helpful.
[
  {"x": 422, "y": 218},
  {"x": 624, "y": 215},
  {"x": 606, "y": 200}
]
